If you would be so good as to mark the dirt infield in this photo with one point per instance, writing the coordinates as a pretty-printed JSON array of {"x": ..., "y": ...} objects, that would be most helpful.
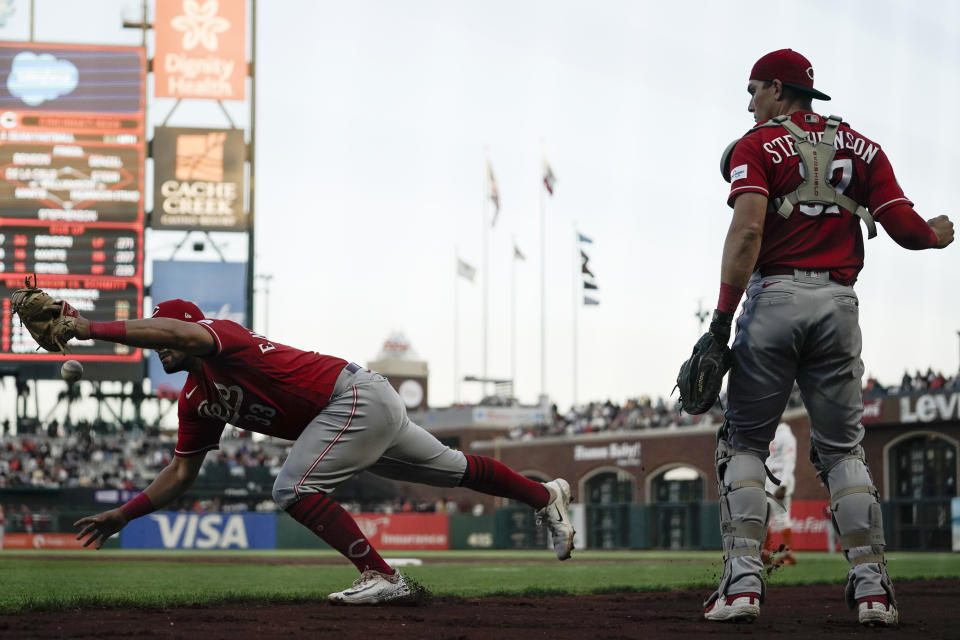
[{"x": 930, "y": 611}]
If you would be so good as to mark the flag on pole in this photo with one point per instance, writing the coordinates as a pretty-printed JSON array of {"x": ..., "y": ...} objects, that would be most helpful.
[
  {"x": 589, "y": 280},
  {"x": 549, "y": 180},
  {"x": 494, "y": 193},
  {"x": 465, "y": 270},
  {"x": 517, "y": 254},
  {"x": 584, "y": 269}
]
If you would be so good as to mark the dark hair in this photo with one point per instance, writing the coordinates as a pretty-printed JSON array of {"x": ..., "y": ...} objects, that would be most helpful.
[{"x": 791, "y": 95}]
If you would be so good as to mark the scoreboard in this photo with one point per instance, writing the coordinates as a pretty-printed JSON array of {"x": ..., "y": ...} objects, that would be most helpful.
[{"x": 72, "y": 150}]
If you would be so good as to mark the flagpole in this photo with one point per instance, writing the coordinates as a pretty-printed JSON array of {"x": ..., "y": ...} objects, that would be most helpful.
[
  {"x": 576, "y": 325},
  {"x": 486, "y": 284},
  {"x": 456, "y": 328},
  {"x": 513, "y": 318},
  {"x": 543, "y": 289}
]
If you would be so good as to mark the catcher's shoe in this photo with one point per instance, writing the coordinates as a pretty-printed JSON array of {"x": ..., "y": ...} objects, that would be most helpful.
[
  {"x": 557, "y": 519},
  {"x": 372, "y": 587},
  {"x": 876, "y": 611},
  {"x": 736, "y": 607}
]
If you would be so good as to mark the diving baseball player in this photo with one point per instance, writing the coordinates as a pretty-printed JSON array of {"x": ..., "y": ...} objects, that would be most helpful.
[
  {"x": 342, "y": 418},
  {"x": 801, "y": 186}
]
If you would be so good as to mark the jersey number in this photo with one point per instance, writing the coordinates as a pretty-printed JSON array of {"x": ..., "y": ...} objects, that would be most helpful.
[
  {"x": 845, "y": 167},
  {"x": 260, "y": 414}
]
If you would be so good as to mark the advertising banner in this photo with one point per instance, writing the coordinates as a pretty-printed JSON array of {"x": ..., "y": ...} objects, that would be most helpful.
[
  {"x": 172, "y": 530},
  {"x": 218, "y": 288},
  {"x": 810, "y": 523},
  {"x": 201, "y": 49},
  {"x": 405, "y": 530},
  {"x": 72, "y": 151},
  {"x": 198, "y": 179},
  {"x": 955, "y": 513},
  {"x": 42, "y": 541}
]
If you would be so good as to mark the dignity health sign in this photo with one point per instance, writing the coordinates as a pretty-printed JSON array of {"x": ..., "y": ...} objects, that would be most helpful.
[{"x": 201, "y": 49}]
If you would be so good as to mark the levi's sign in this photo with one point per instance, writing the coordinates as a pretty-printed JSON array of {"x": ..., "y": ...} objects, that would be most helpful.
[{"x": 930, "y": 407}]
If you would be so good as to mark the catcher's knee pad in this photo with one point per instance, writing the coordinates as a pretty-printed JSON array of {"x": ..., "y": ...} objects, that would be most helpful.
[
  {"x": 743, "y": 514},
  {"x": 858, "y": 522}
]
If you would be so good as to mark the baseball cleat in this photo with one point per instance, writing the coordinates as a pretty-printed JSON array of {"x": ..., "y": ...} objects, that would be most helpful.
[
  {"x": 556, "y": 515},
  {"x": 738, "y": 607},
  {"x": 372, "y": 587},
  {"x": 876, "y": 611}
]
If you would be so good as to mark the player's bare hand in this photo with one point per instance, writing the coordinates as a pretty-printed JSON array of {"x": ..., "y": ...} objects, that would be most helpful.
[
  {"x": 943, "y": 227},
  {"x": 100, "y": 527},
  {"x": 780, "y": 493}
]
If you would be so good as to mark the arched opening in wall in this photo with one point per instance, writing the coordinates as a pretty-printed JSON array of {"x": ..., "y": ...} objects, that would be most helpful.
[
  {"x": 675, "y": 497},
  {"x": 923, "y": 479},
  {"x": 608, "y": 495}
]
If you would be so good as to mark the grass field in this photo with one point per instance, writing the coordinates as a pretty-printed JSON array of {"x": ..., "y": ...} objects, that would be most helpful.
[{"x": 42, "y": 580}]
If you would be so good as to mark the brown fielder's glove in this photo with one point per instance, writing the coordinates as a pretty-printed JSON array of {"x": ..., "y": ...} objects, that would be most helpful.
[
  {"x": 52, "y": 323},
  {"x": 701, "y": 376}
]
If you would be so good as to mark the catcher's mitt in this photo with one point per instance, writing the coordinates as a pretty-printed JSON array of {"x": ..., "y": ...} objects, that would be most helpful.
[
  {"x": 701, "y": 376},
  {"x": 50, "y": 322}
]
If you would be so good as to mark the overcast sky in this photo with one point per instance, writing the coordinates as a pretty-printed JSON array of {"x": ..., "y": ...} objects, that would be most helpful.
[{"x": 372, "y": 123}]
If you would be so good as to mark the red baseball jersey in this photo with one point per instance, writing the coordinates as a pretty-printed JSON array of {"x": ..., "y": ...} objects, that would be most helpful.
[
  {"x": 814, "y": 236},
  {"x": 254, "y": 384}
]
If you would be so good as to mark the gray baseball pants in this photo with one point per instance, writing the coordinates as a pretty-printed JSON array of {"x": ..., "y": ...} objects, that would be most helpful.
[
  {"x": 803, "y": 327},
  {"x": 364, "y": 428}
]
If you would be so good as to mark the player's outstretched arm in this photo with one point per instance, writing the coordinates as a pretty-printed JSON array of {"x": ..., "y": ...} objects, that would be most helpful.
[
  {"x": 909, "y": 230},
  {"x": 170, "y": 484},
  {"x": 151, "y": 333}
]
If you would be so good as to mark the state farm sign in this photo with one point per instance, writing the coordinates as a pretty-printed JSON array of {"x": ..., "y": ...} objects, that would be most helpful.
[{"x": 931, "y": 407}]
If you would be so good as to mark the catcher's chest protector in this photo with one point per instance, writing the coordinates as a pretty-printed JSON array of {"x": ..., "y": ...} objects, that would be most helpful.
[{"x": 817, "y": 159}]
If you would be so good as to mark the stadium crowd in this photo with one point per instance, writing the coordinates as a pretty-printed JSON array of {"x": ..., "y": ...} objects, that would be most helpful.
[{"x": 918, "y": 382}]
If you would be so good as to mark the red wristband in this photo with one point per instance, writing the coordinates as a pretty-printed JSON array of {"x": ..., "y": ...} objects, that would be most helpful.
[
  {"x": 114, "y": 331},
  {"x": 139, "y": 506},
  {"x": 729, "y": 298}
]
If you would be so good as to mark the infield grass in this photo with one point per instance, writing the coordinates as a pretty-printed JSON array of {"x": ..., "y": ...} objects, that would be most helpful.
[{"x": 57, "y": 580}]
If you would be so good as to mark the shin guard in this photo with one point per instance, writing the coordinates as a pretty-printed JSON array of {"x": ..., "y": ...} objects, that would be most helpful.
[
  {"x": 857, "y": 520},
  {"x": 743, "y": 520}
]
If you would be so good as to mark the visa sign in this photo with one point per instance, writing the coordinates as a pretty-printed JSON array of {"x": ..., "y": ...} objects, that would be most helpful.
[{"x": 169, "y": 530}]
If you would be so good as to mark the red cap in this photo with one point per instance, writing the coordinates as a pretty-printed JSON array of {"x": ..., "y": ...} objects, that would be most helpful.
[
  {"x": 178, "y": 310},
  {"x": 790, "y": 68}
]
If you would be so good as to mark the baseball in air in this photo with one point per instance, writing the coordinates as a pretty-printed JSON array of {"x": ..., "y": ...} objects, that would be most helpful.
[{"x": 71, "y": 371}]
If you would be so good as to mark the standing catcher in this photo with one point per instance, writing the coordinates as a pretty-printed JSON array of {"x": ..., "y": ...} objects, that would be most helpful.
[
  {"x": 781, "y": 463},
  {"x": 801, "y": 184},
  {"x": 343, "y": 419}
]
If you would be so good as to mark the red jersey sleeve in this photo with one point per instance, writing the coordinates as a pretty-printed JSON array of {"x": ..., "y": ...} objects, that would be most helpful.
[
  {"x": 747, "y": 171},
  {"x": 882, "y": 187},
  {"x": 196, "y": 434}
]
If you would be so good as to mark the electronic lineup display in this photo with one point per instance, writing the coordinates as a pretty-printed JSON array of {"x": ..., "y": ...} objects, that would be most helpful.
[{"x": 72, "y": 155}]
